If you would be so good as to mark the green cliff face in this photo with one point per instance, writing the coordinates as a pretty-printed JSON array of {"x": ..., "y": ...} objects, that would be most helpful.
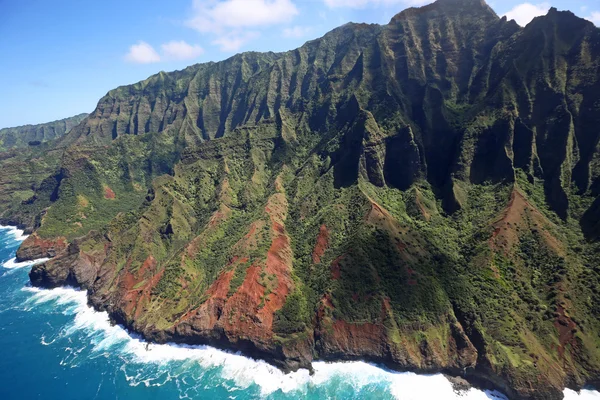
[
  {"x": 28, "y": 156},
  {"x": 421, "y": 194},
  {"x": 34, "y": 135}
]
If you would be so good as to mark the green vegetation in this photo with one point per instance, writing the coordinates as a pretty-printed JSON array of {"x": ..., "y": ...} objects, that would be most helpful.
[
  {"x": 431, "y": 184},
  {"x": 36, "y": 135}
]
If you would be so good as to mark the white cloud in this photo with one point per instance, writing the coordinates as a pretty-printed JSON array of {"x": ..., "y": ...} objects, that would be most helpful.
[
  {"x": 235, "y": 22},
  {"x": 296, "y": 31},
  {"x": 181, "y": 50},
  {"x": 365, "y": 3},
  {"x": 594, "y": 17},
  {"x": 142, "y": 53},
  {"x": 211, "y": 15},
  {"x": 232, "y": 42},
  {"x": 524, "y": 13}
]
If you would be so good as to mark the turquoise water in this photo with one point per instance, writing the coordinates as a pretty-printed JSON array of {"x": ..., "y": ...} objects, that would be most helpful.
[{"x": 55, "y": 347}]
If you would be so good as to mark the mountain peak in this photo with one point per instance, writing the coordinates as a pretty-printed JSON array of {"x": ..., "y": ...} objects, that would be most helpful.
[
  {"x": 447, "y": 7},
  {"x": 566, "y": 22}
]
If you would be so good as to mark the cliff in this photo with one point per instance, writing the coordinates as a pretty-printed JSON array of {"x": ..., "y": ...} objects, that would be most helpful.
[
  {"x": 35, "y": 135},
  {"x": 421, "y": 194}
]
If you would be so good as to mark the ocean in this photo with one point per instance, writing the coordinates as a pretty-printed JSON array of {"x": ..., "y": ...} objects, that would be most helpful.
[{"x": 56, "y": 347}]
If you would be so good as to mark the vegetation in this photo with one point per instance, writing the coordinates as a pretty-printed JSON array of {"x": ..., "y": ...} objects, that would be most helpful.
[{"x": 423, "y": 193}]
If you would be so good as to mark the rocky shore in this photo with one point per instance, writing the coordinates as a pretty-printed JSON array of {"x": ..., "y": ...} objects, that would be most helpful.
[{"x": 71, "y": 267}]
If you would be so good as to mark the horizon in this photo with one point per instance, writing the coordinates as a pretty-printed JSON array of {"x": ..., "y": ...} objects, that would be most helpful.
[{"x": 69, "y": 81}]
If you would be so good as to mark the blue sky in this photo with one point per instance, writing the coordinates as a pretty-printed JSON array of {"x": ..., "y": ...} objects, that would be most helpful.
[{"x": 60, "y": 57}]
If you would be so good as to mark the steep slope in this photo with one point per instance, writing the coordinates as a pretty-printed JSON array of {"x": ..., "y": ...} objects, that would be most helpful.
[
  {"x": 28, "y": 156},
  {"x": 408, "y": 194}
]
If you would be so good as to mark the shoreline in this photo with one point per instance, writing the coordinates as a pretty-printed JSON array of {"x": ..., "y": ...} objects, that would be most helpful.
[
  {"x": 478, "y": 382},
  {"x": 152, "y": 352},
  {"x": 476, "y": 379},
  {"x": 301, "y": 376}
]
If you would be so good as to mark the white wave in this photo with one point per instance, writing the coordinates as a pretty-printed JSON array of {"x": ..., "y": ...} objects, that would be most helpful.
[
  {"x": 13, "y": 264},
  {"x": 583, "y": 395},
  {"x": 17, "y": 234},
  {"x": 244, "y": 371}
]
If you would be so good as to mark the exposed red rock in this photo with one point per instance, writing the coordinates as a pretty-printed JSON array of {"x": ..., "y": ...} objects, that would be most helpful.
[
  {"x": 321, "y": 244},
  {"x": 249, "y": 312},
  {"x": 518, "y": 215},
  {"x": 34, "y": 248},
  {"x": 138, "y": 286},
  {"x": 109, "y": 194},
  {"x": 566, "y": 330}
]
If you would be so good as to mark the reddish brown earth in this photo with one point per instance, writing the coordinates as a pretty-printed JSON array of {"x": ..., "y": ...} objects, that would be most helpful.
[
  {"x": 109, "y": 194},
  {"x": 34, "y": 248},
  {"x": 339, "y": 339},
  {"x": 520, "y": 215},
  {"x": 244, "y": 319},
  {"x": 566, "y": 331},
  {"x": 138, "y": 286},
  {"x": 249, "y": 312},
  {"x": 321, "y": 244},
  {"x": 336, "y": 269}
]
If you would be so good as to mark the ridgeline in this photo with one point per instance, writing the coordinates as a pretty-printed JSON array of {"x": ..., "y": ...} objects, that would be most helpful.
[{"x": 422, "y": 194}]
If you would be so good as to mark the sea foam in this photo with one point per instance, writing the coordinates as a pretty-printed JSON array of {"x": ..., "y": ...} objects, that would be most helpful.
[
  {"x": 13, "y": 264},
  {"x": 583, "y": 395},
  {"x": 243, "y": 371},
  {"x": 17, "y": 234}
]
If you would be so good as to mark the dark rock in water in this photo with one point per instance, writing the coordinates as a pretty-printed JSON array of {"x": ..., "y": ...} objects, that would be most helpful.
[{"x": 459, "y": 384}]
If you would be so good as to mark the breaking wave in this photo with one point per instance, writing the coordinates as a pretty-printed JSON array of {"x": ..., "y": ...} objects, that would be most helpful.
[{"x": 187, "y": 364}]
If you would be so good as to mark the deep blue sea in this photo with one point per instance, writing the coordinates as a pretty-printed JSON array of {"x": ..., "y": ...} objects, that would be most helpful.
[{"x": 53, "y": 346}]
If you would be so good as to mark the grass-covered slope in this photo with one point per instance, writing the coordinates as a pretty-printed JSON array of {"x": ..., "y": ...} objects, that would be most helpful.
[{"x": 421, "y": 194}]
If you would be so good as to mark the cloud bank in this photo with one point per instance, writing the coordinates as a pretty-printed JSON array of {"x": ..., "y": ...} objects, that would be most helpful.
[
  {"x": 236, "y": 22},
  {"x": 180, "y": 50},
  {"x": 366, "y": 3},
  {"x": 526, "y": 12},
  {"x": 144, "y": 53}
]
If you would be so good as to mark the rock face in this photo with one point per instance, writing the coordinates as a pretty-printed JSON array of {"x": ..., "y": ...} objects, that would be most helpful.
[
  {"x": 34, "y": 248},
  {"x": 410, "y": 194}
]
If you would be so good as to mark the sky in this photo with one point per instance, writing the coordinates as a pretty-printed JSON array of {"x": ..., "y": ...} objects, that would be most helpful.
[{"x": 58, "y": 58}]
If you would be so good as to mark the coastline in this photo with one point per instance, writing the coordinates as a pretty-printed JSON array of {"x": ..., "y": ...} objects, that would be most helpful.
[
  {"x": 161, "y": 338},
  {"x": 268, "y": 376},
  {"x": 257, "y": 371}
]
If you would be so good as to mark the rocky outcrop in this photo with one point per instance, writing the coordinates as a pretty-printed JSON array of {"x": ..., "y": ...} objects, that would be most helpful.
[{"x": 35, "y": 248}]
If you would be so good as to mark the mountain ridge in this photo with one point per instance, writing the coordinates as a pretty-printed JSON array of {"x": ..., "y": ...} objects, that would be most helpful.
[
  {"x": 410, "y": 194},
  {"x": 36, "y": 134}
]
